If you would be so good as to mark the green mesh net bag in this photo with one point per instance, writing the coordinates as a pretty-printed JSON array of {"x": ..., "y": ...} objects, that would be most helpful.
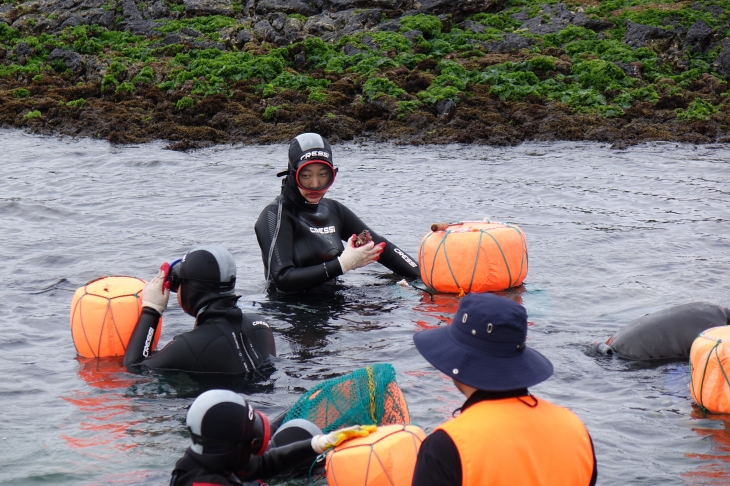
[{"x": 368, "y": 396}]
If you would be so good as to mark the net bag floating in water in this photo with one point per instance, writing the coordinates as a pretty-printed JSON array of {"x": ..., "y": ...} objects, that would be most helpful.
[
  {"x": 103, "y": 315},
  {"x": 367, "y": 396},
  {"x": 473, "y": 256},
  {"x": 709, "y": 365},
  {"x": 386, "y": 457}
]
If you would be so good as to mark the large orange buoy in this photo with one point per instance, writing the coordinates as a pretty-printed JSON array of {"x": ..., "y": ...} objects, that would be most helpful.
[
  {"x": 387, "y": 457},
  {"x": 103, "y": 315},
  {"x": 709, "y": 365},
  {"x": 473, "y": 256}
]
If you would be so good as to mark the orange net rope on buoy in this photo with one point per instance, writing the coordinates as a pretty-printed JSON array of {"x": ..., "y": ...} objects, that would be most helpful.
[
  {"x": 103, "y": 315},
  {"x": 473, "y": 256}
]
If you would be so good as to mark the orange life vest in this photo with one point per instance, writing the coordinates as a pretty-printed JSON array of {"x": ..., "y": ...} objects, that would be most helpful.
[{"x": 505, "y": 442}]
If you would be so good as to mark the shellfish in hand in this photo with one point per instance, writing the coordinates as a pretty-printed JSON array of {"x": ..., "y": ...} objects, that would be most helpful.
[{"x": 363, "y": 239}]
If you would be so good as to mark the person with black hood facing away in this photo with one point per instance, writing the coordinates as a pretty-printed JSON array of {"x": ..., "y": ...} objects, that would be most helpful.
[
  {"x": 224, "y": 339},
  {"x": 300, "y": 233},
  {"x": 231, "y": 443}
]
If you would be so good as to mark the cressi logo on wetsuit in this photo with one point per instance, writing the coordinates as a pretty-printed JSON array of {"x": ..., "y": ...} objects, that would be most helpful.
[
  {"x": 405, "y": 257},
  {"x": 323, "y": 231},
  {"x": 148, "y": 342}
]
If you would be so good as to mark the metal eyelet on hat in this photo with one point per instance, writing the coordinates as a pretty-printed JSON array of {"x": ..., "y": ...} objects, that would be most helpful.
[
  {"x": 455, "y": 371},
  {"x": 473, "y": 332},
  {"x": 489, "y": 327},
  {"x": 463, "y": 319},
  {"x": 521, "y": 345}
]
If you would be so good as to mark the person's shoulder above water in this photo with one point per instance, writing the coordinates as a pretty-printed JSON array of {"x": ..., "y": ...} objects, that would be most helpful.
[
  {"x": 220, "y": 342},
  {"x": 484, "y": 352}
]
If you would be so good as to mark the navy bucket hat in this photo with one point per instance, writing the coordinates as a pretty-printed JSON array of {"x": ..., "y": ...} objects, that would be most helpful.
[{"x": 484, "y": 347}]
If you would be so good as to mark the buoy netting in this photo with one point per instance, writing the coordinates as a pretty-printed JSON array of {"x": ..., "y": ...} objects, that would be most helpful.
[
  {"x": 474, "y": 256},
  {"x": 103, "y": 315},
  {"x": 709, "y": 365},
  {"x": 367, "y": 396},
  {"x": 387, "y": 457}
]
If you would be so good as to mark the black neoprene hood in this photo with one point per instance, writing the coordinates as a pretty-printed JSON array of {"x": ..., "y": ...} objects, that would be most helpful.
[{"x": 207, "y": 272}]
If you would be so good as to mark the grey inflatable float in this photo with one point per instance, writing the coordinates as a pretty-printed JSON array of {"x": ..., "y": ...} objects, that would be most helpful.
[{"x": 665, "y": 334}]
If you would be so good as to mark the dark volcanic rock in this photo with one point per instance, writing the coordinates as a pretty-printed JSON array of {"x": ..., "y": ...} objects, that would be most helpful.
[
  {"x": 549, "y": 20},
  {"x": 339, "y": 5},
  {"x": 446, "y": 108},
  {"x": 209, "y": 7},
  {"x": 130, "y": 10},
  {"x": 209, "y": 45},
  {"x": 390, "y": 26},
  {"x": 72, "y": 60},
  {"x": 265, "y": 32},
  {"x": 23, "y": 52},
  {"x": 301, "y": 7},
  {"x": 457, "y": 8},
  {"x": 699, "y": 35},
  {"x": 722, "y": 63},
  {"x": 277, "y": 20},
  {"x": 157, "y": 10},
  {"x": 98, "y": 16},
  {"x": 359, "y": 21},
  {"x": 351, "y": 50},
  {"x": 521, "y": 16},
  {"x": 190, "y": 32},
  {"x": 368, "y": 42},
  {"x": 140, "y": 27},
  {"x": 510, "y": 43},
  {"x": 412, "y": 35},
  {"x": 581, "y": 20},
  {"x": 243, "y": 37},
  {"x": 322, "y": 24},
  {"x": 472, "y": 26},
  {"x": 637, "y": 35},
  {"x": 632, "y": 69}
]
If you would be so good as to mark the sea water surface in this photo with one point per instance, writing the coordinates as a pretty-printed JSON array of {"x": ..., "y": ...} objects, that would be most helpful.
[{"x": 612, "y": 235}]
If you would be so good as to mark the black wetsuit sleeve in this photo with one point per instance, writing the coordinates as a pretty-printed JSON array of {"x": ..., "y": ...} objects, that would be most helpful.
[
  {"x": 278, "y": 460},
  {"x": 142, "y": 337},
  {"x": 175, "y": 355},
  {"x": 392, "y": 257},
  {"x": 261, "y": 337},
  {"x": 286, "y": 275},
  {"x": 439, "y": 463}
]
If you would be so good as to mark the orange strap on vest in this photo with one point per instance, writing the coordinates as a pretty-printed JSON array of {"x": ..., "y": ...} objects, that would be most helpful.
[{"x": 505, "y": 442}]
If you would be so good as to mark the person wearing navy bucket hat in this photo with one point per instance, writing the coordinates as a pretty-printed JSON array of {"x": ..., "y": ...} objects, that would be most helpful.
[{"x": 503, "y": 435}]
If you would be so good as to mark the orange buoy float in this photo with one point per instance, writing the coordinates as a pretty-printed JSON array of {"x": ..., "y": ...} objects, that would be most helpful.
[
  {"x": 709, "y": 365},
  {"x": 386, "y": 457},
  {"x": 473, "y": 256},
  {"x": 103, "y": 315}
]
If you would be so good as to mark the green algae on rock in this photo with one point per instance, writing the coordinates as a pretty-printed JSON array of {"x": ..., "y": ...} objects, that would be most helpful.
[{"x": 486, "y": 71}]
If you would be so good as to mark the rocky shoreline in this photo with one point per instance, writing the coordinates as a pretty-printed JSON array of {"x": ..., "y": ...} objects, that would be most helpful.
[{"x": 199, "y": 72}]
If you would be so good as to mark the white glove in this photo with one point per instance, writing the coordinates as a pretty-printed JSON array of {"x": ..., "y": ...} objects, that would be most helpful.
[
  {"x": 321, "y": 443},
  {"x": 156, "y": 292},
  {"x": 353, "y": 258}
]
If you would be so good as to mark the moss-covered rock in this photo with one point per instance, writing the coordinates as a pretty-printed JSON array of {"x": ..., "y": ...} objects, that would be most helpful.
[{"x": 478, "y": 71}]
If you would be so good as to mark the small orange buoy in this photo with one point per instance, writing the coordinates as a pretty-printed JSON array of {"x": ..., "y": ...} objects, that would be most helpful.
[
  {"x": 473, "y": 256},
  {"x": 386, "y": 457},
  {"x": 103, "y": 315},
  {"x": 709, "y": 365}
]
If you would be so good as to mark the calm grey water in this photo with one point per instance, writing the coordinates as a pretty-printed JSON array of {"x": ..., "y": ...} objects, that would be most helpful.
[{"x": 612, "y": 236}]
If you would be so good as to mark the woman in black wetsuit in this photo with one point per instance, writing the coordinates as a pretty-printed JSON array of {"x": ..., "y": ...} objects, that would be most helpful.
[
  {"x": 300, "y": 233},
  {"x": 224, "y": 339}
]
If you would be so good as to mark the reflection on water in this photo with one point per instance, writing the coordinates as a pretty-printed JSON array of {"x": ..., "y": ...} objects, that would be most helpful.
[{"x": 612, "y": 235}]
